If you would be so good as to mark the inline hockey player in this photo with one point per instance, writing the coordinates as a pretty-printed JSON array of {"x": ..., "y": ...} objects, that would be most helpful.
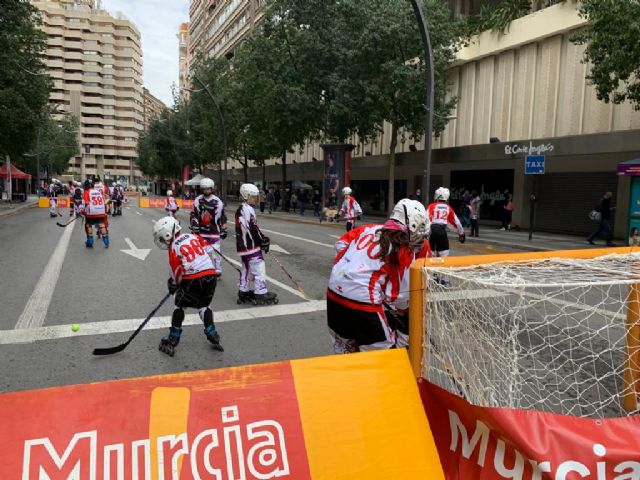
[
  {"x": 117, "y": 195},
  {"x": 209, "y": 220},
  {"x": 76, "y": 199},
  {"x": 250, "y": 243},
  {"x": 441, "y": 215},
  {"x": 95, "y": 213},
  {"x": 193, "y": 280},
  {"x": 350, "y": 209},
  {"x": 170, "y": 204},
  {"x": 369, "y": 271},
  {"x": 53, "y": 207}
]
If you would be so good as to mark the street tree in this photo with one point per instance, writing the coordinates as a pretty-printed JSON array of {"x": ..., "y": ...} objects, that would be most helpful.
[
  {"x": 612, "y": 39},
  {"x": 55, "y": 143},
  {"x": 24, "y": 85}
]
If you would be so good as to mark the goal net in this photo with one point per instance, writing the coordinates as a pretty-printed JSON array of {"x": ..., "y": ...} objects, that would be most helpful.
[{"x": 546, "y": 331}]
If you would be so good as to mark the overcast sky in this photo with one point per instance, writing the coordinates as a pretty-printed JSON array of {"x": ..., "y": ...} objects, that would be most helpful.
[{"x": 158, "y": 22}]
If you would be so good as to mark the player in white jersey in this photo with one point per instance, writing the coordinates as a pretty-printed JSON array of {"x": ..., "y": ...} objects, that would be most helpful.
[
  {"x": 76, "y": 199},
  {"x": 440, "y": 215},
  {"x": 250, "y": 243},
  {"x": 192, "y": 280},
  {"x": 209, "y": 220},
  {"x": 350, "y": 209},
  {"x": 368, "y": 272},
  {"x": 170, "y": 204}
]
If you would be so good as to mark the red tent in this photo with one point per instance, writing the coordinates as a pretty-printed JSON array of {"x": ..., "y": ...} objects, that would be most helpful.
[{"x": 16, "y": 173}]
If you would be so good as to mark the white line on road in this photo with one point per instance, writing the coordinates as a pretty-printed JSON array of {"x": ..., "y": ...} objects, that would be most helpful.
[
  {"x": 8, "y": 337},
  {"x": 138, "y": 213},
  {"x": 35, "y": 311},
  {"x": 298, "y": 238},
  {"x": 334, "y": 236}
]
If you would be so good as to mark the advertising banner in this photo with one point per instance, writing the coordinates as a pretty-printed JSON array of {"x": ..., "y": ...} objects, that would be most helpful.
[
  {"x": 159, "y": 203},
  {"x": 337, "y": 173}
]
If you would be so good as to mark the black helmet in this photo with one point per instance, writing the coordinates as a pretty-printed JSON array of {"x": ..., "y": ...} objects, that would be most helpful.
[
  {"x": 88, "y": 184},
  {"x": 96, "y": 179}
]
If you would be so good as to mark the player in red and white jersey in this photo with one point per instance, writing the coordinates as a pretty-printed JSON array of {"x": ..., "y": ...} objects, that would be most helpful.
[
  {"x": 440, "y": 215},
  {"x": 350, "y": 209},
  {"x": 193, "y": 280},
  {"x": 95, "y": 213},
  {"x": 170, "y": 204},
  {"x": 368, "y": 272}
]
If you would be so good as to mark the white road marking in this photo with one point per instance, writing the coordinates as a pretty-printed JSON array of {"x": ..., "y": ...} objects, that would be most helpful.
[
  {"x": 29, "y": 335},
  {"x": 278, "y": 248},
  {"x": 139, "y": 253},
  {"x": 334, "y": 236},
  {"x": 36, "y": 308},
  {"x": 139, "y": 213},
  {"x": 275, "y": 282},
  {"x": 298, "y": 238}
]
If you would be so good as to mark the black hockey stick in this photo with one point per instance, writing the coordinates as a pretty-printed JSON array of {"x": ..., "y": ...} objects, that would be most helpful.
[
  {"x": 121, "y": 347},
  {"x": 289, "y": 275},
  {"x": 227, "y": 260},
  {"x": 68, "y": 223}
]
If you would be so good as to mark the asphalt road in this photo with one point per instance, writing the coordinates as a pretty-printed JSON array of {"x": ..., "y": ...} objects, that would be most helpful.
[{"x": 49, "y": 281}]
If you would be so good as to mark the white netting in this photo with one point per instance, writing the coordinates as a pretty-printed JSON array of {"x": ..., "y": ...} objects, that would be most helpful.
[{"x": 549, "y": 335}]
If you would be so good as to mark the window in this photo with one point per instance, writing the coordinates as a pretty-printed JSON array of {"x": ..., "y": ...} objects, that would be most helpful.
[
  {"x": 91, "y": 74},
  {"x": 90, "y": 84},
  {"x": 108, "y": 76},
  {"x": 90, "y": 52},
  {"x": 108, "y": 65}
]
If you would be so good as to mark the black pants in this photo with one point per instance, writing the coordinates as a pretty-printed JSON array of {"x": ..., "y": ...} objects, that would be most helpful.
[
  {"x": 196, "y": 293},
  {"x": 475, "y": 227},
  {"x": 604, "y": 227}
]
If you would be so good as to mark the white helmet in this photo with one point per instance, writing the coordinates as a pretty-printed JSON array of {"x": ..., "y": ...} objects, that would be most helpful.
[
  {"x": 169, "y": 193},
  {"x": 347, "y": 191},
  {"x": 207, "y": 183},
  {"x": 413, "y": 215},
  {"x": 248, "y": 190},
  {"x": 164, "y": 230},
  {"x": 442, "y": 194}
]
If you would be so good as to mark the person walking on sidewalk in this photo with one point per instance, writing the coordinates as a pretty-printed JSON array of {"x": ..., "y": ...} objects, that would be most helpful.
[
  {"x": 270, "y": 200},
  {"x": 474, "y": 213},
  {"x": 263, "y": 200},
  {"x": 604, "y": 226},
  {"x": 316, "y": 199},
  {"x": 507, "y": 211}
]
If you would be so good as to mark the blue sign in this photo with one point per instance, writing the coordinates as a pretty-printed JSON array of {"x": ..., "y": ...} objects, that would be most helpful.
[{"x": 534, "y": 164}]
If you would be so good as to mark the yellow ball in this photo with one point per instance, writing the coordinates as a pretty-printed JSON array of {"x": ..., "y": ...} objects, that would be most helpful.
[{"x": 75, "y": 327}]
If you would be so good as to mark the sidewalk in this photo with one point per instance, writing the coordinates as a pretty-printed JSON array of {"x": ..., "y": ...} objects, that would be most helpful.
[{"x": 7, "y": 209}]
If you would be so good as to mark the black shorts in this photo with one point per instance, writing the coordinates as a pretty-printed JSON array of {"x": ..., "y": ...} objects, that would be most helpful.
[
  {"x": 196, "y": 293},
  {"x": 365, "y": 327},
  {"x": 438, "y": 240},
  {"x": 94, "y": 221}
]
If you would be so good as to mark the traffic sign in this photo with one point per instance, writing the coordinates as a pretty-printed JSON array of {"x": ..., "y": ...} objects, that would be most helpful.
[{"x": 534, "y": 164}]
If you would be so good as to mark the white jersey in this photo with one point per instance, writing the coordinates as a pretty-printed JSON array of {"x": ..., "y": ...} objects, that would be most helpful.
[
  {"x": 170, "y": 204},
  {"x": 358, "y": 275},
  {"x": 442, "y": 214},
  {"x": 189, "y": 257},
  {"x": 350, "y": 209},
  {"x": 94, "y": 203}
]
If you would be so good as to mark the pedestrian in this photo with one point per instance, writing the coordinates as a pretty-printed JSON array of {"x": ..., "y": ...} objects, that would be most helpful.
[
  {"x": 466, "y": 212},
  {"x": 270, "y": 200},
  {"x": 250, "y": 243},
  {"x": 317, "y": 201},
  {"x": 441, "y": 215},
  {"x": 294, "y": 201},
  {"x": 277, "y": 197},
  {"x": 192, "y": 281},
  {"x": 286, "y": 200},
  {"x": 350, "y": 209},
  {"x": 263, "y": 200},
  {"x": 368, "y": 270},
  {"x": 507, "y": 211},
  {"x": 474, "y": 213},
  {"x": 208, "y": 220},
  {"x": 604, "y": 225},
  {"x": 634, "y": 238},
  {"x": 170, "y": 204},
  {"x": 303, "y": 199}
]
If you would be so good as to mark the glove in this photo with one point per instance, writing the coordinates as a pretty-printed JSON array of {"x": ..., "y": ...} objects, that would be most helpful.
[
  {"x": 462, "y": 238},
  {"x": 265, "y": 245},
  {"x": 172, "y": 286},
  {"x": 358, "y": 217},
  {"x": 223, "y": 233}
]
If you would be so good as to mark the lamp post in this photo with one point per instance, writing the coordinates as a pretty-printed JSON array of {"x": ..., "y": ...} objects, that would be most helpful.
[
  {"x": 224, "y": 135},
  {"x": 429, "y": 87}
]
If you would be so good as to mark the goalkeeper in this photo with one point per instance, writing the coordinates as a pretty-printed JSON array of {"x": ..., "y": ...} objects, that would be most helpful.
[{"x": 440, "y": 215}]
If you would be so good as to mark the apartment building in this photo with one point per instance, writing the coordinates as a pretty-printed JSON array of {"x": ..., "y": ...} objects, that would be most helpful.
[
  {"x": 183, "y": 55},
  {"x": 95, "y": 61},
  {"x": 152, "y": 107}
]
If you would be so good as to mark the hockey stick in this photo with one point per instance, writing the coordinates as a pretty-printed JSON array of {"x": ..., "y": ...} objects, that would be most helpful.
[
  {"x": 68, "y": 223},
  {"x": 297, "y": 285},
  {"x": 227, "y": 260},
  {"x": 121, "y": 347}
]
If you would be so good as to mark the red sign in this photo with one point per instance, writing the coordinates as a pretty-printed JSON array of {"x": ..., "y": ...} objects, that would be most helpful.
[{"x": 498, "y": 443}]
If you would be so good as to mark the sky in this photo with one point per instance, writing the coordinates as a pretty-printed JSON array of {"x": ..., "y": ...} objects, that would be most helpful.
[{"x": 158, "y": 22}]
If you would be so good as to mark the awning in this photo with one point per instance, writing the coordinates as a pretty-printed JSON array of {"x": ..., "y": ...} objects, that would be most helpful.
[
  {"x": 301, "y": 185},
  {"x": 195, "y": 181},
  {"x": 16, "y": 173},
  {"x": 630, "y": 168}
]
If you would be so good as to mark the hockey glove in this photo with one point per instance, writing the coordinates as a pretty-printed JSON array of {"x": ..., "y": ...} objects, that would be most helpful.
[
  {"x": 264, "y": 246},
  {"x": 358, "y": 217},
  {"x": 462, "y": 238},
  {"x": 173, "y": 287},
  {"x": 223, "y": 233}
]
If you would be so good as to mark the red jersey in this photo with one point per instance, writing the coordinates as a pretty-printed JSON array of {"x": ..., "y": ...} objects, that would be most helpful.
[
  {"x": 442, "y": 214},
  {"x": 170, "y": 205},
  {"x": 350, "y": 209},
  {"x": 94, "y": 203}
]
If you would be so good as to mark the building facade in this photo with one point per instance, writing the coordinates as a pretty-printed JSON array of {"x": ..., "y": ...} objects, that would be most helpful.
[
  {"x": 183, "y": 56},
  {"x": 152, "y": 107},
  {"x": 95, "y": 62}
]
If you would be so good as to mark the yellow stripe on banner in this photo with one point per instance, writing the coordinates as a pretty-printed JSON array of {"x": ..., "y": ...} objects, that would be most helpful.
[
  {"x": 363, "y": 418},
  {"x": 43, "y": 202},
  {"x": 168, "y": 415},
  {"x": 143, "y": 202}
]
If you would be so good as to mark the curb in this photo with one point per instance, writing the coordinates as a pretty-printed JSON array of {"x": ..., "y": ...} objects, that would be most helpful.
[{"x": 13, "y": 211}]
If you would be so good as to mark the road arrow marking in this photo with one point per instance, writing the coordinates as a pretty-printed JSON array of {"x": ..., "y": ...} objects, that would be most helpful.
[
  {"x": 139, "y": 253},
  {"x": 278, "y": 248}
]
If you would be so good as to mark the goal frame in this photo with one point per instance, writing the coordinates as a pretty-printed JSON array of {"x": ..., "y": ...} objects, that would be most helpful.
[{"x": 418, "y": 295}]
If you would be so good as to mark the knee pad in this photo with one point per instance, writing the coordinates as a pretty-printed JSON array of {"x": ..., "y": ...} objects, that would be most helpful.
[
  {"x": 88, "y": 229},
  {"x": 206, "y": 315},
  {"x": 177, "y": 318},
  {"x": 103, "y": 229}
]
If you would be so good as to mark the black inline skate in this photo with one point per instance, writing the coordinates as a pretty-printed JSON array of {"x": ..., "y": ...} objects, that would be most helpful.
[
  {"x": 268, "y": 298},
  {"x": 245, "y": 297},
  {"x": 169, "y": 343}
]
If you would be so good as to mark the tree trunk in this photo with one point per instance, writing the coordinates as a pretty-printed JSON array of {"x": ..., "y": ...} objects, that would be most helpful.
[
  {"x": 284, "y": 171},
  {"x": 245, "y": 169},
  {"x": 392, "y": 166},
  {"x": 264, "y": 175}
]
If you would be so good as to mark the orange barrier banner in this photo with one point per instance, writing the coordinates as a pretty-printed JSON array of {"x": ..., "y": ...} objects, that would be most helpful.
[
  {"x": 159, "y": 203},
  {"x": 62, "y": 202},
  {"x": 496, "y": 443},
  {"x": 341, "y": 417}
]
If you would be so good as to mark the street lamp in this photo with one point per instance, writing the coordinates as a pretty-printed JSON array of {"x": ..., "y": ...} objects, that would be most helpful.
[
  {"x": 429, "y": 87},
  {"x": 224, "y": 133}
]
